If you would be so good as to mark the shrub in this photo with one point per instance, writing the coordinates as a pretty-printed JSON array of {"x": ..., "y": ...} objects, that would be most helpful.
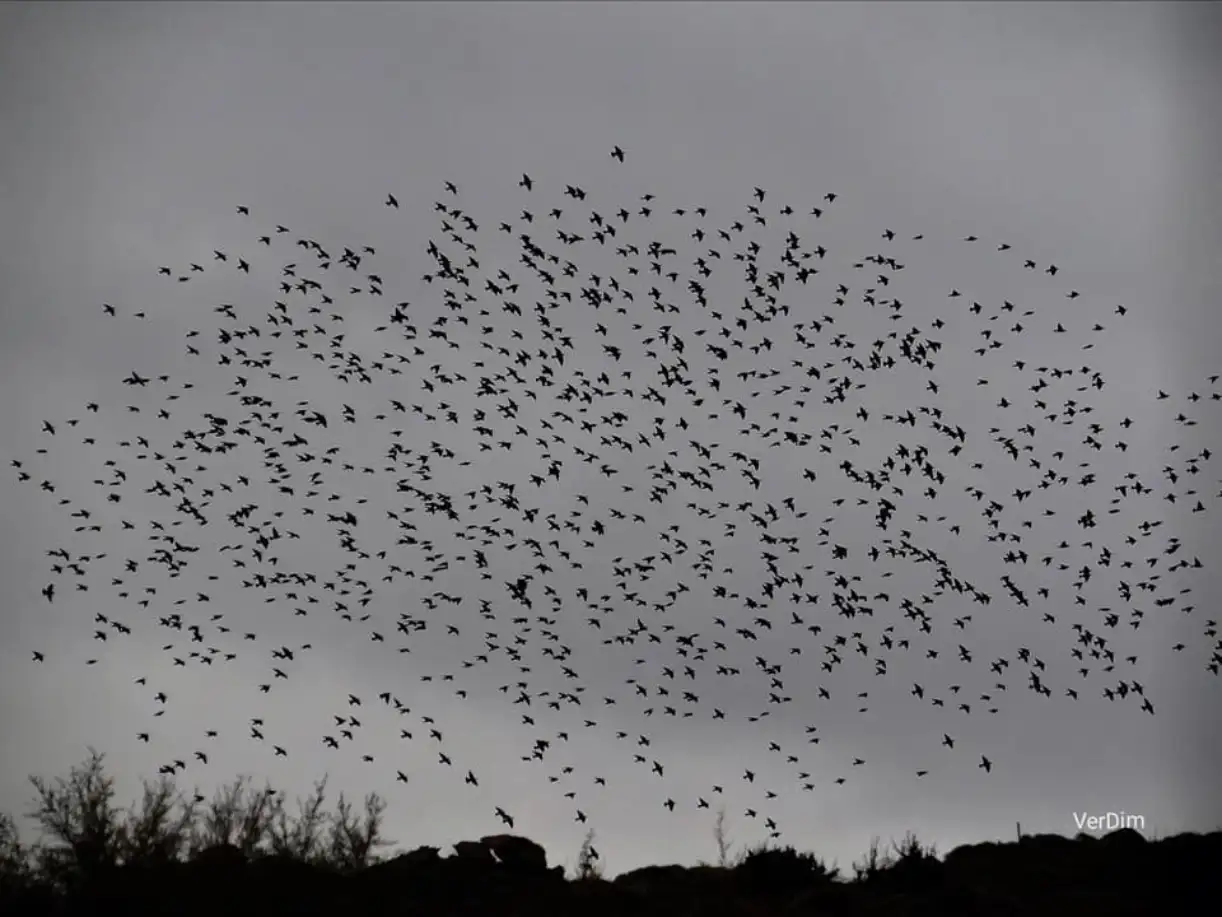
[{"x": 782, "y": 870}]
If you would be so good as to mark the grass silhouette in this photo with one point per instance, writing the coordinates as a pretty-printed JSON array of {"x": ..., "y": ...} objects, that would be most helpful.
[{"x": 178, "y": 854}]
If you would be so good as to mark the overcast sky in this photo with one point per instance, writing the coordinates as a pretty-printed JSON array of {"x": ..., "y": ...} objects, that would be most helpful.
[{"x": 1081, "y": 135}]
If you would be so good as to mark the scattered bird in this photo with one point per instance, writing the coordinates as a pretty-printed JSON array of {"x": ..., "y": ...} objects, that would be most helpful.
[{"x": 555, "y": 449}]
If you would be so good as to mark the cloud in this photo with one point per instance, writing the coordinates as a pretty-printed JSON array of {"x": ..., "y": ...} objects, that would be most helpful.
[{"x": 143, "y": 129}]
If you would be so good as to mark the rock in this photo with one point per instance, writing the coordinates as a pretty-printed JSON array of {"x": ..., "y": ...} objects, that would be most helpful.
[
  {"x": 515, "y": 851},
  {"x": 653, "y": 880},
  {"x": 411, "y": 863},
  {"x": 423, "y": 855},
  {"x": 473, "y": 851}
]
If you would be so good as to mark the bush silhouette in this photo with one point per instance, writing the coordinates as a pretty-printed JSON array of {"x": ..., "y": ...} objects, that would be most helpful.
[
  {"x": 178, "y": 853},
  {"x": 781, "y": 870},
  {"x": 912, "y": 868}
]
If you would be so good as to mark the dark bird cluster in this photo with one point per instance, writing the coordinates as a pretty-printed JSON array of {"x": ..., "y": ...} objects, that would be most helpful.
[{"x": 640, "y": 437}]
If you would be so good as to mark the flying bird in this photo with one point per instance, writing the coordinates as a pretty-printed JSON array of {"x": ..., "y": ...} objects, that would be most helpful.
[{"x": 587, "y": 429}]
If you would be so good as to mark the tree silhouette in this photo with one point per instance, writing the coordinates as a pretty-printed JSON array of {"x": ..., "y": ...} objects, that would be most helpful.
[{"x": 169, "y": 853}]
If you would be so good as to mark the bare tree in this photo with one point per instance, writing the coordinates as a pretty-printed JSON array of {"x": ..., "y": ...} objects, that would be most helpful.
[
  {"x": 874, "y": 861},
  {"x": 353, "y": 839},
  {"x": 911, "y": 848},
  {"x": 588, "y": 865},
  {"x": 79, "y": 814},
  {"x": 723, "y": 843},
  {"x": 300, "y": 838},
  {"x": 236, "y": 817},
  {"x": 161, "y": 829}
]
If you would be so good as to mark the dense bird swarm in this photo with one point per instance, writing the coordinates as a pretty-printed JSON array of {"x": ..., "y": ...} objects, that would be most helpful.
[{"x": 495, "y": 538}]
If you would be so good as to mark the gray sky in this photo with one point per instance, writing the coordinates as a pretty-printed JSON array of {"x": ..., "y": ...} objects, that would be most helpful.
[{"x": 1079, "y": 134}]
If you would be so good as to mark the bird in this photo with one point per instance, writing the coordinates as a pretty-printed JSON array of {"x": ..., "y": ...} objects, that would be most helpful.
[{"x": 555, "y": 457}]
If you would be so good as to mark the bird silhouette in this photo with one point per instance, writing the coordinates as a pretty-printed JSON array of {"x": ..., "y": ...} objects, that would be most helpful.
[{"x": 630, "y": 441}]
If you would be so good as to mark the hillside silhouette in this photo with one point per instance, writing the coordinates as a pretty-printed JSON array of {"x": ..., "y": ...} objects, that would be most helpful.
[{"x": 177, "y": 853}]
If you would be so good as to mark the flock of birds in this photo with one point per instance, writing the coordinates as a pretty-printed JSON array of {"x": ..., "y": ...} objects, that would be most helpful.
[{"x": 472, "y": 474}]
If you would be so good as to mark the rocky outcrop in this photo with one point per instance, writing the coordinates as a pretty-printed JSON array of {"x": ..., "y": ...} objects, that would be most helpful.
[
  {"x": 648, "y": 880},
  {"x": 517, "y": 852},
  {"x": 473, "y": 851},
  {"x": 424, "y": 855}
]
